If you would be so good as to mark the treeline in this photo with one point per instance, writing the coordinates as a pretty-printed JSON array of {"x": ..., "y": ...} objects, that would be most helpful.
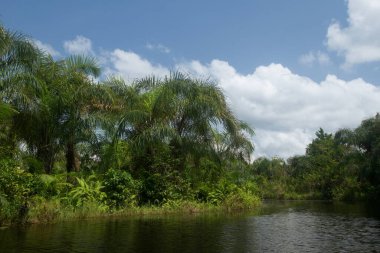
[
  {"x": 70, "y": 142},
  {"x": 340, "y": 166}
]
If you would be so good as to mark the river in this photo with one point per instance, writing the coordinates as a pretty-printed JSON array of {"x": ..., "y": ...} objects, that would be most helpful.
[{"x": 279, "y": 226}]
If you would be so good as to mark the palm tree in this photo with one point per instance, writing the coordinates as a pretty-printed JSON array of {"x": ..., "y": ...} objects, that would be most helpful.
[
  {"x": 76, "y": 100},
  {"x": 50, "y": 97},
  {"x": 182, "y": 116},
  {"x": 17, "y": 60},
  {"x": 17, "y": 85},
  {"x": 38, "y": 125}
]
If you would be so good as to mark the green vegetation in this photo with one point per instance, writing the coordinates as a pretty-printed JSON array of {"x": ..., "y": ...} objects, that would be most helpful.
[
  {"x": 73, "y": 147},
  {"x": 340, "y": 166}
]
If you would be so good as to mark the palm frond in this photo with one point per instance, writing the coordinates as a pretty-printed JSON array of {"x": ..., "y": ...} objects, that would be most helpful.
[{"x": 83, "y": 64}]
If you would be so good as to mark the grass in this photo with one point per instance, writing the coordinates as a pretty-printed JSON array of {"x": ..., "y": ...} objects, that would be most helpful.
[{"x": 52, "y": 211}]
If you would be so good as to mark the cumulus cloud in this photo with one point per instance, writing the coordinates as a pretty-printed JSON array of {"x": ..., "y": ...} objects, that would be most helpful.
[
  {"x": 159, "y": 47},
  {"x": 286, "y": 109},
  {"x": 80, "y": 45},
  {"x": 46, "y": 48},
  {"x": 312, "y": 58},
  {"x": 359, "y": 42},
  {"x": 281, "y": 143},
  {"x": 130, "y": 65}
]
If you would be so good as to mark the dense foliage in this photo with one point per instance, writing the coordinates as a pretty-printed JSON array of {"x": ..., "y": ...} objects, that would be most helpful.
[
  {"x": 69, "y": 142},
  {"x": 340, "y": 166}
]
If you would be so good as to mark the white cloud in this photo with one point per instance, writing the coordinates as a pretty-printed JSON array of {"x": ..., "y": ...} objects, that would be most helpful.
[
  {"x": 80, "y": 45},
  {"x": 130, "y": 65},
  {"x": 159, "y": 47},
  {"x": 287, "y": 109},
  {"x": 281, "y": 143},
  {"x": 46, "y": 48},
  {"x": 312, "y": 58},
  {"x": 359, "y": 42}
]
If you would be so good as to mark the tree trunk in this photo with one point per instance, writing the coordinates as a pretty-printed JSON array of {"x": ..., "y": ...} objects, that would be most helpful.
[
  {"x": 72, "y": 159},
  {"x": 46, "y": 156}
]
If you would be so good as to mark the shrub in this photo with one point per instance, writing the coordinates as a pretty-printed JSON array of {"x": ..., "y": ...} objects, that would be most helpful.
[
  {"x": 120, "y": 188},
  {"x": 241, "y": 200},
  {"x": 214, "y": 193},
  {"x": 8, "y": 210},
  {"x": 87, "y": 190},
  {"x": 16, "y": 188},
  {"x": 153, "y": 189},
  {"x": 43, "y": 210},
  {"x": 177, "y": 187},
  {"x": 53, "y": 185},
  {"x": 158, "y": 188},
  {"x": 33, "y": 164},
  {"x": 348, "y": 190}
]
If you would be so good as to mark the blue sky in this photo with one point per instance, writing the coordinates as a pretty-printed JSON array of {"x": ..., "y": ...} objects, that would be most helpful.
[
  {"x": 245, "y": 33},
  {"x": 288, "y": 67}
]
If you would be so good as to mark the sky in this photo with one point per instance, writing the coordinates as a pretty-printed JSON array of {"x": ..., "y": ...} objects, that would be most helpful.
[{"x": 286, "y": 67}]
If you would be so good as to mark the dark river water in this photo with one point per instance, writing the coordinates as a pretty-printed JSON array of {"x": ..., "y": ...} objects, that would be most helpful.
[{"x": 291, "y": 226}]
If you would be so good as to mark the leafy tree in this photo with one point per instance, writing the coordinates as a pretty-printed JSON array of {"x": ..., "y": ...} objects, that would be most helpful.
[
  {"x": 323, "y": 158},
  {"x": 368, "y": 142},
  {"x": 271, "y": 168}
]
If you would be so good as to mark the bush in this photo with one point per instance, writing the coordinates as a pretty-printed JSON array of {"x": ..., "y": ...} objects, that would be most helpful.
[
  {"x": 229, "y": 195},
  {"x": 177, "y": 187},
  {"x": 8, "y": 210},
  {"x": 87, "y": 190},
  {"x": 158, "y": 188},
  {"x": 33, "y": 164},
  {"x": 120, "y": 188},
  {"x": 215, "y": 193},
  {"x": 241, "y": 200},
  {"x": 16, "y": 189},
  {"x": 53, "y": 185},
  {"x": 43, "y": 210},
  {"x": 348, "y": 190}
]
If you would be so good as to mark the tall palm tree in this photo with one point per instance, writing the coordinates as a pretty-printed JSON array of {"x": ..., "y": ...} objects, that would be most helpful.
[
  {"x": 50, "y": 97},
  {"x": 38, "y": 125},
  {"x": 182, "y": 115},
  {"x": 76, "y": 98},
  {"x": 17, "y": 85}
]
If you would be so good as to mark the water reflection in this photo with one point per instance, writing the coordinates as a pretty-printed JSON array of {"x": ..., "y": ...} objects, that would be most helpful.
[{"x": 280, "y": 227}]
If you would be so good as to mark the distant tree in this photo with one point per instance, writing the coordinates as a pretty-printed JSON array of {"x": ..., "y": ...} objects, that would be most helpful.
[
  {"x": 368, "y": 141},
  {"x": 323, "y": 158},
  {"x": 274, "y": 168}
]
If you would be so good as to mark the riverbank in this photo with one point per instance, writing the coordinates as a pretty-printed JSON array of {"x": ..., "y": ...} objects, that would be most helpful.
[
  {"x": 53, "y": 211},
  {"x": 41, "y": 198}
]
